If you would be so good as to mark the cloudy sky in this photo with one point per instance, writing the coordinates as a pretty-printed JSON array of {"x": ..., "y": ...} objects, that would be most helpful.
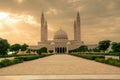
[{"x": 20, "y": 19}]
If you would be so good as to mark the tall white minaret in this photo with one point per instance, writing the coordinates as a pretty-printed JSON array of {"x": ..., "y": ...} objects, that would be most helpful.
[
  {"x": 43, "y": 28},
  {"x": 77, "y": 33}
]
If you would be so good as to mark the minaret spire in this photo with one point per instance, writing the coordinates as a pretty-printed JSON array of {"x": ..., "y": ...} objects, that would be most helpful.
[
  {"x": 46, "y": 32},
  {"x": 43, "y": 28},
  {"x": 77, "y": 28},
  {"x": 42, "y": 18},
  {"x": 78, "y": 19}
]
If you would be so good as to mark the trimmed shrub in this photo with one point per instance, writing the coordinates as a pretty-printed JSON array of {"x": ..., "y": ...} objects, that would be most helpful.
[
  {"x": 15, "y": 55},
  {"x": 110, "y": 61},
  {"x": 114, "y": 62},
  {"x": 3, "y": 56},
  {"x": 91, "y": 57},
  {"x": 27, "y": 58},
  {"x": 20, "y": 59},
  {"x": 114, "y": 53},
  {"x": 50, "y": 51},
  {"x": 5, "y": 62},
  {"x": 100, "y": 60},
  {"x": 24, "y": 58}
]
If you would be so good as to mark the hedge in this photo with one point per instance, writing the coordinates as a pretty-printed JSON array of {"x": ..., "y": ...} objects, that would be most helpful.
[
  {"x": 110, "y": 61},
  {"x": 20, "y": 59},
  {"x": 27, "y": 58},
  {"x": 114, "y": 62},
  {"x": 90, "y": 57},
  {"x": 15, "y": 55},
  {"x": 7, "y": 62}
]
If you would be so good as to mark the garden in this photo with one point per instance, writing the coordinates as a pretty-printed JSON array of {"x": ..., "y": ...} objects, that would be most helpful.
[
  {"x": 21, "y": 59},
  {"x": 105, "y": 48},
  {"x": 99, "y": 58}
]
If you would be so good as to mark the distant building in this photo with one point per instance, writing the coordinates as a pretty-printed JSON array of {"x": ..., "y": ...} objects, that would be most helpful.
[{"x": 60, "y": 42}]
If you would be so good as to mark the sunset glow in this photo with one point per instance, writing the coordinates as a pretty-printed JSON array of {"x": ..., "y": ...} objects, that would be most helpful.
[
  {"x": 11, "y": 19},
  {"x": 3, "y": 15},
  {"x": 21, "y": 19}
]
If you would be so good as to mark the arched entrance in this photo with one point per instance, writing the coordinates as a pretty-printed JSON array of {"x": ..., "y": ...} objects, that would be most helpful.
[{"x": 60, "y": 49}]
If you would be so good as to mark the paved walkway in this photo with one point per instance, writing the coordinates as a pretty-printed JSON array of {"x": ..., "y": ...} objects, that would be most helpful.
[{"x": 60, "y": 64}]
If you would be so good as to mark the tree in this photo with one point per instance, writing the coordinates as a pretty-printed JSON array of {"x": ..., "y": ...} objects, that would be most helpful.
[
  {"x": 104, "y": 45},
  {"x": 4, "y": 45},
  {"x": 83, "y": 48},
  {"x": 24, "y": 47},
  {"x": 15, "y": 47},
  {"x": 33, "y": 51},
  {"x": 28, "y": 51},
  {"x": 96, "y": 50},
  {"x": 116, "y": 47},
  {"x": 51, "y": 51},
  {"x": 42, "y": 50},
  {"x": 39, "y": 51}
]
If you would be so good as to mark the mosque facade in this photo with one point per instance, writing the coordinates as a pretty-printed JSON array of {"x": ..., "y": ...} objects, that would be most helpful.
[{"x": 60, "y": 42}]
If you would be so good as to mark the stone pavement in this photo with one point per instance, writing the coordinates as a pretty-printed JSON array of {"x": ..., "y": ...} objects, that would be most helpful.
[
  {"x": 66, "y": 65},
  {"x": 60, "y": 64}
]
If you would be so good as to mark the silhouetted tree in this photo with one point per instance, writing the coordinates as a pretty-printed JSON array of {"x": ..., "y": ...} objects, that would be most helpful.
[
  {"x": 15, "y": 47},
  {"x": 116, "y": 48},
  {"x": 24, "y": 47},
  {"x": 104, "y": 45},
  {"x": 51, "y": 51},
  {"x": 39, "y": 52},
  {"x": 28, "y": 51},
  {"x": 42, "y": 50},
  {"x": 83, "y": 48},
  {"x": 4, "y": 45},
  {"x": 96, "y": 50}
]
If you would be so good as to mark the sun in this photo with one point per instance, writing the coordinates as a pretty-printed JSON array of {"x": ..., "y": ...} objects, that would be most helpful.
[
  {"x": 7, "y": 18},
  {"x": 3, "y": 15},
  {"x": 11, "y": 19},
  {"x": 20, "y": 1}
]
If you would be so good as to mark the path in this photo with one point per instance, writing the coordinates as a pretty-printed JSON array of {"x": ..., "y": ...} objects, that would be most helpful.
[{"x": 60, "y": 64}]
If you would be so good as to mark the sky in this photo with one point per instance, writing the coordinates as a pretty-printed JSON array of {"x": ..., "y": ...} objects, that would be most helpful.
[{"x": 20, "y": 19}]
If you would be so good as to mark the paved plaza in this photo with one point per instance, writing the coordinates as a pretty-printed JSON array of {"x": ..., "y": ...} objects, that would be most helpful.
[{"x": 60, "y": 65}]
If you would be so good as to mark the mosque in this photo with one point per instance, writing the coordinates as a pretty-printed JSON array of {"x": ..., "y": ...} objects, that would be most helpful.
[{"x": 60, "y": 42}]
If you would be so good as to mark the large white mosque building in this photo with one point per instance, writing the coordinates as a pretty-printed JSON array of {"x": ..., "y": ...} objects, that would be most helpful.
[{"x": 60, "y": 42}]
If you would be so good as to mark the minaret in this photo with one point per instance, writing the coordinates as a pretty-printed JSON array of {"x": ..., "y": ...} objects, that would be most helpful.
[
  {"x": 43, "y": 28},
  {"x": 75, "y": 37},
  {"x": 46, "y": 33},
  {"x": 77, "y": 34}
]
